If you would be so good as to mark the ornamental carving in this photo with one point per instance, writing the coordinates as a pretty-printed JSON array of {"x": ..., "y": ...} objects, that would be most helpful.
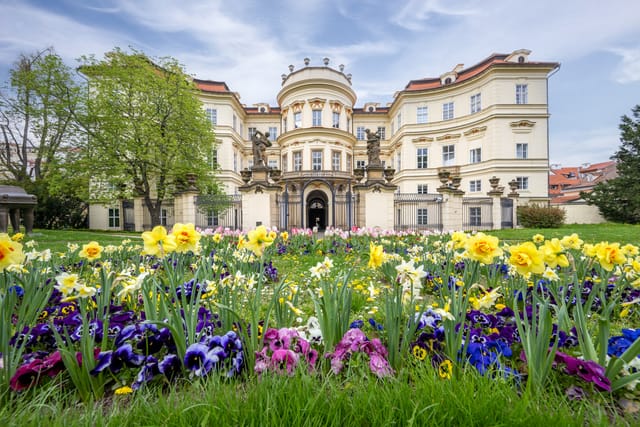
[
  {"x": 475, "y": 131},
  {"x": 448, "y": 137},
  {"x": 297, "y": 106},
  {"x": 522, "y": 124},
  {"x": 317, "y": 103},
  {"x": 336, "y": 106},
  {"x": 423, "y": 139}
]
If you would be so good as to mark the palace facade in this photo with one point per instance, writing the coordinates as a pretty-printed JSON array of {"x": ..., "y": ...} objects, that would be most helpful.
[{"x": 456, "y": 131}]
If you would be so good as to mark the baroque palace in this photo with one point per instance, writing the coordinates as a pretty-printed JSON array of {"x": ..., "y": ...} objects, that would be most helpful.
[{"x": 453, "y": 151}]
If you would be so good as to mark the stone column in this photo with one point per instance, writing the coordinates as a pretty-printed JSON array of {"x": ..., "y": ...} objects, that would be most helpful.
[
  {"x": 259, "y": 198},
  {"x": 496, "y": 199},
  {"x": 184, "y": 205},
  {"x": 451, "y": 209}
]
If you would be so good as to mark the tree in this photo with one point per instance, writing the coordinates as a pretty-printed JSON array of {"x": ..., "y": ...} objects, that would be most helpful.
[
  {"x": 619, "y": 198},
  {"x": 36, "y": 115},
  {"x": 147, "y": 131},
  {"x": 38, "y": 134}
]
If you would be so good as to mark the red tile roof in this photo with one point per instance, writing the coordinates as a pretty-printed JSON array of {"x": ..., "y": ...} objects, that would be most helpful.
[
  {"x": 494, "y": 60},
  {"x": 211, "y": 86}
]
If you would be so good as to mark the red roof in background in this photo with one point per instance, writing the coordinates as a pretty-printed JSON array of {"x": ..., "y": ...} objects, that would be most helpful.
[
  {"x": 571, "y": 180},
  {"x": 211, "y": 86},
  {"x": 565, "y": 199},
  {"x": 598, "y": 166},
  {"x": 493, "y": 60}
]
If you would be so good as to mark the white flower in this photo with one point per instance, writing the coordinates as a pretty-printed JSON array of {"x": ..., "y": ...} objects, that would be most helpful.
[{"x": 550, "y": 274}]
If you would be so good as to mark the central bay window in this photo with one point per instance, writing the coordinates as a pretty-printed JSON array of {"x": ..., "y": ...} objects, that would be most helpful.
[
  {"x": 336, "y": 160},
  {"x": 297, "y": 161},
  {"x": 316, "y": 160},
  {"x": 422, "y": 157},
  {"x": 297, "y": 120},
  {"x": 317, "y": 117}
]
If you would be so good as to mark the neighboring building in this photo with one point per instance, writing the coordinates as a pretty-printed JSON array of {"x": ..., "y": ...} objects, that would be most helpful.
[
  {"x": 566, "y": 183},
  {"x": 488, "y": 120}
]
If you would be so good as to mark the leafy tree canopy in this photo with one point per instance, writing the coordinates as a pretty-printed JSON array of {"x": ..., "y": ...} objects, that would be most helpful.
[
  {"x": 147, "y": 132},
  {"x": 619, "y": 199}
]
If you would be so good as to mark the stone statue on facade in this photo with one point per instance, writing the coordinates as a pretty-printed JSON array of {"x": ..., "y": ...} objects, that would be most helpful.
[
  {"x": 260, "y": 143},
  {"x": 373, "y": 147}
]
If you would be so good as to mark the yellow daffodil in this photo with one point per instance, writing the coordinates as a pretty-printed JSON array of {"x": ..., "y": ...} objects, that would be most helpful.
[
  {"x": 552, "y": 251},
  {"x": 459, "y": 238},
  {"x": 259, "y": 239},
  {"x": 186, "y": 237},
  {"x": 18, "y": 237},
  {"x": 571, "y": 242},
  {"x": 526, "y": 258},
  {"x": 67, "y": 283},
  {"x": 609, "y": 254},
  {"x": 91, "y": 251},
  {"x": 157, "y": 242},
  {"x": 217, "y": 237},
  {"x": 376, "y": 255},
  {"x": 483, "y": 248},
  {"x": 630, "y": 250},
  {"x": 10, "y": 252},
  {"x": 285, "y": 236},
  {"x": 538, "y": 238}
]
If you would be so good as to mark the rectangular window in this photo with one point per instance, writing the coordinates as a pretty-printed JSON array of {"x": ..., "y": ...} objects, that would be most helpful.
[
  {"x": 448, "y": 155},
  {"x": 423, "y": 189},
  {"x": 317, "y": 117},
  {"x": 285, "y": 165},
  {"x": 423, "y": 217},
  {"x": 297, "y": 120},
  {"x": 273, "y": 164},
  {"x": 475, "y": 155},
  {"x": 235, "y": 123},
  {"x": 393, "y": 129},
  {"x": 235, "y": 161},
  {"x": 523, "y": 182},
  {"x": 251, "y": 131},
  {"x": 349, "y": 162},
  {"x": 213, "y": 159},
  {"x": 399, "y": 120},
  {"x": 382, "y": 131},
  {"x": 521, "y": 94},
  {"x": 163, "y": 217},
  {"x": 398, "y": 161},
  {"x": 335, "y": 119},
  {"x": 114, "y": 217},
  {"x": 447, "y": 111},
  {"x": 212, "y": 218},
  {"x": 475, "y": 216},
  {"x": 297, "y": 161},
  {"x": 212, "y": 115},
  {"x": 475, "y": 186},
  {"x": 422, "y": 158},
  {"x": 476, "y": 105},
  {"x": 360, "y": 133},
  {"x": 336, "y": 160},
  {"x": 360, "y": 164},
  {"x": 316, "y": 160},
  {"x": 284, "y": 125},
  {"x": 422, "y": 115},
  {"x": 522, "y": 151},
  {"x": 273, "y": 133}
]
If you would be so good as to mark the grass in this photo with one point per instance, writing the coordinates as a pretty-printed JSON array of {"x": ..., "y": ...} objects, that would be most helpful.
[
  {"x": 57, "y": 240},
  {"x": 418, "y": 398}
]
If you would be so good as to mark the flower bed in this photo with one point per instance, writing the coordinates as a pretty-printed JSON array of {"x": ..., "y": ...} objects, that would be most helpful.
[{"x": 197, "y": 304}]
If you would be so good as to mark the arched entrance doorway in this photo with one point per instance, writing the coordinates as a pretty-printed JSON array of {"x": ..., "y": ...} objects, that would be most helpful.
[{"x": 317, "y": 209}]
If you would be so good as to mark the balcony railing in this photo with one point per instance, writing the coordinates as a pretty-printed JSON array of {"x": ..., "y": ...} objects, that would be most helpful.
[{"x": 317, "y": 174}]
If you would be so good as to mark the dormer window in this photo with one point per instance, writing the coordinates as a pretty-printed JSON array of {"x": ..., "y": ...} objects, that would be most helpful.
[
  {"x": 447, "y": 81},
  {"x": 371, "y": 109},
  {"x": 263, "y": 110},
  {"x": 521, "y": 59}
]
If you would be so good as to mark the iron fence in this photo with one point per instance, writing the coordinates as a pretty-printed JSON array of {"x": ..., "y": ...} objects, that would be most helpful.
[
  {"x": 219, "y": 211},
  {"x": 477, "y": 213},
  {"x": 414, "y": 211}
]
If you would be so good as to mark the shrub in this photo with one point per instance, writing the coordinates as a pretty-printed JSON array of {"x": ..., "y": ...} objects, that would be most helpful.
[{"x": 537, "y": 216}]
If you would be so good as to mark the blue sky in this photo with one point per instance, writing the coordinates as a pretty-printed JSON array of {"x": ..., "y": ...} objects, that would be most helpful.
[{"x": 383, "y": 44}]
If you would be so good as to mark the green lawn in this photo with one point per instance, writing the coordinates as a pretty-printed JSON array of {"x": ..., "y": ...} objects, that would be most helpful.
[{"x": 57, "y": 240}]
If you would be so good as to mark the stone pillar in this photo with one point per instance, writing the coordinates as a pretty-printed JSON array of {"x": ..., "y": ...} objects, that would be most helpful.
[
  {"x": 259, "y": 197},
  {"x": 138, "y": 213},
  {"x": 451, "y": 209},
  {"x": 184, "y": 205},
  {"x": 378, "y": 208},
  {"x": 28, "y": 220},
  {"x": 496, "y": 198}
]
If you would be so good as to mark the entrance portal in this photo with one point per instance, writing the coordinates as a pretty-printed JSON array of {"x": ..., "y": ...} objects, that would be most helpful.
[{"x": 317, "y": 210}]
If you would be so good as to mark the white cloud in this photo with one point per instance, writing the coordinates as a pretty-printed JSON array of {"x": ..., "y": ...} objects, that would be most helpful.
[
  {"x": 628, "y": 70},
  {"x": 574, "y": 147},
  {"x": 417, "y": 14}
]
